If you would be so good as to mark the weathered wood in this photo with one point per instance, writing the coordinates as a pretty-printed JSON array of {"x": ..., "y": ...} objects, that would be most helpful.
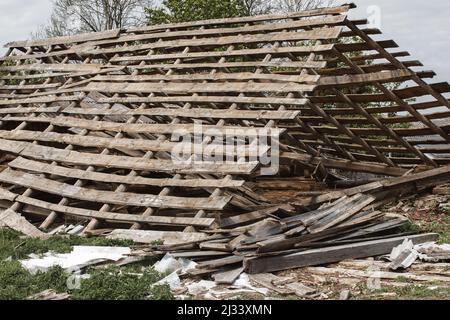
[
  {"x": 434, "y": 176},
  {"x": 42, "y": 167},
  {"x": 316, "y": 34},
  {"x": 182, "y": 129},
  {"x": 207, "y": 99},
  {"x": 108, "y": 216},
  {"x": 128, "y": 199},
  {"x": 150, "y": 236},
  {"x": 219, "y": 76},
  {"x": 53, "y": 67},
  {"x": 331, "y": 254},
  {"x": 38, "y": 152},
  {"x": 133, "y": 144},
  {"x": 16, "y": 222},
  {"x": 191, "y": 113},
  {"x": 227, "y": 277}
]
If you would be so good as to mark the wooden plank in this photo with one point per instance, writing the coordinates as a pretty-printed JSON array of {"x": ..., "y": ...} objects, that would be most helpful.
[
  {"x": 150, "y": 236},
  {"x": 188, "y": 113},
  {"x": 280, "y": 51},
  {"x": 316, "y": 34},
  {"x": 40, "y": 100},
  {"x": 65, "y": 39},
  {"x": 346, "y": 164},
  {"x": 30, "y": 86},
  {"x": 133, "y": 144},
  {"x": 252, "y": 64},
  {"x": 207, "y": 99},
  {"x": 25, "y": 110},
  {"x": 218, "y": 76},
  {"x": 16, "y": 222},
  {"x": 358, "y": 79},
  {"x": 436, "y": 176},
  {"x": 206, "y": 130},
  {"x": 293, "y": 26},
  {"x": 183, "y": 88},
  {"x": 53, "y": 67},
  {"x": 109, "y": 216},
  {"x": 336, "y": 217},
  {"x": 228, "y": 277},
  {"x": 129, "y": 199},
  {"x": 41, "y": 167},
  {"x": 38, "y": 152},
  {"x": 331, "y": 254}
]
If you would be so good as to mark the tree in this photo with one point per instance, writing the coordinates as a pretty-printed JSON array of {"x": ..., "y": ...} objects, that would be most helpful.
[
  {"x": 173, "y": 11},
  {"x": 300, "y": 5},
  {"x": 256, "y": 7},
  {"x": 78, "y": 16}
]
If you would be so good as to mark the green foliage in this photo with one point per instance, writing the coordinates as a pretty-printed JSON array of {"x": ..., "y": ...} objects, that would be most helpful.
[
  {"x": 18, "y": 284},
  {"x": 441, "y": 227},
  {"x": 114, "y": 283},
  {"x": 12, "y": 244},
  {"x": 415, "y": 292},
  {"x": 174, "y": 11}
]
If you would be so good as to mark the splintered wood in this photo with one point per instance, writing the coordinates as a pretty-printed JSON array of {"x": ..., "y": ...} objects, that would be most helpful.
[{"x": 207, "y": 135}]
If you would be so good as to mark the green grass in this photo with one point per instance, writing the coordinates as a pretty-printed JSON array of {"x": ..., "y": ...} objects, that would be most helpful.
[
  {"x": 133, "y": 282},
  {"x": 17, "y": 283},
  {"x": 114, "y": 283},
  {"x": 411, "y": 292},
  {"x": 441, "y": 227},
  {"x": 13, "y": 244}
]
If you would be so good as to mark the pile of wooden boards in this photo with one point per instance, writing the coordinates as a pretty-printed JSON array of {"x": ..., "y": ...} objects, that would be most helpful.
[{"x": 166, "y": 133}]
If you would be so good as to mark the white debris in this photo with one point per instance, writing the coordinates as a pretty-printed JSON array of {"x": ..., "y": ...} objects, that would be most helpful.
[
  {"x": 172, "y": 280},
  {"x": 169, "y": 264},
  {"x": 203, "y": 286},
  {"x": 243, "y": 282},
  {"x": 433, "y": 252},
  {"x": 404, "y": 255},
  {"x": 81, "y": 256},
  {"x": 76, "y": 230}
]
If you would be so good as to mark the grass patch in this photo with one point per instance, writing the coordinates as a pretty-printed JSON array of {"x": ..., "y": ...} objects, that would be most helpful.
[
  {"x": 114, "y": 283},
  {"x": 441, "y": 227},
  {"x": 422, "y": 293},
  {"x": 13, "y": 244},
  {"x": 17, "y": 283},
  {"x": 132, "y": 282}
]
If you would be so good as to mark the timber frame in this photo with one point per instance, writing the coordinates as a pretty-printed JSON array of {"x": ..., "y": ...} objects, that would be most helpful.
[{"x": 87, "y": 121}]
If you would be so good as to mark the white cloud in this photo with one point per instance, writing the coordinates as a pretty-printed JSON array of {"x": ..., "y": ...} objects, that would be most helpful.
[{"x": 19, "y": 18}]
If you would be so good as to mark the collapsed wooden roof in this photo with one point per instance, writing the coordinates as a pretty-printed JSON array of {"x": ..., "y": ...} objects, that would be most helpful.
[{"x": 87, "y": 120}]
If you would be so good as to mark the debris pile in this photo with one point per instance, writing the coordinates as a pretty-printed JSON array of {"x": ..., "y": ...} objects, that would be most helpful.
[{"x": 251, "y": 144}]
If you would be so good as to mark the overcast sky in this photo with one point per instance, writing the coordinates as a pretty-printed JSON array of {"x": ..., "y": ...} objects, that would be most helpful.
[{"x": 420, "y": 27}]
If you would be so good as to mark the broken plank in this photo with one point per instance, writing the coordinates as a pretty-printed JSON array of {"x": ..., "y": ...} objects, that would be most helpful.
[
  {"x": 227, "y": 277},
  {"x": 151, "y": 237},
  {"x": 331, "y": 254},
  {"x": 16, "y": 222}
]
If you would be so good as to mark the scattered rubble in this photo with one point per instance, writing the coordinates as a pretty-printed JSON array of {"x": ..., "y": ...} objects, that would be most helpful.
[{"x": 91, "y": 146}]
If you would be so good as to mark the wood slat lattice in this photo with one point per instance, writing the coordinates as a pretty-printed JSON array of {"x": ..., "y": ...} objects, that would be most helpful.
[{"x": 87, "y": 121}]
